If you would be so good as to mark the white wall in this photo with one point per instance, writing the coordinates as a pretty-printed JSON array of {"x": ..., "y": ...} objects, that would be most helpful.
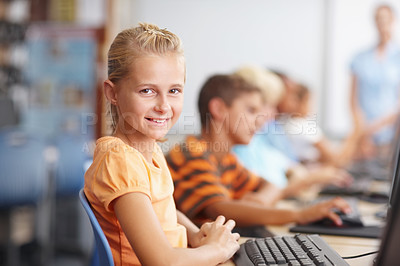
[{"x": 219, "y": 36}]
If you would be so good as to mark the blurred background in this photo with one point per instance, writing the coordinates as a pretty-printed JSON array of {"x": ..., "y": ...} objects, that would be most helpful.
[{"x": 53, "y": 63}]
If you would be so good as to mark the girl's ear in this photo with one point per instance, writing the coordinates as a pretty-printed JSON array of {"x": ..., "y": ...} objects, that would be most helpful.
[
  {"x": 217, "y": 108},
  {"x": 109, "y": 91}
]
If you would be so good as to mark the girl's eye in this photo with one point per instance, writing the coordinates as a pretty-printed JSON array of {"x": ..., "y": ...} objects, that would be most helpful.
[
  {"x": 146, "y": 91},
  {"x": 175, "y": 91}
]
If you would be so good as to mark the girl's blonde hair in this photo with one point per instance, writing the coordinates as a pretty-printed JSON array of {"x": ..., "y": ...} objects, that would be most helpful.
[
  {"x": 133, "y": 43},
  {"x": 270, "y": 84}
]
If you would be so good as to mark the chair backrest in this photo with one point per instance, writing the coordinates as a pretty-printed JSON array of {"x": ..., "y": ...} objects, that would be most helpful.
[
  {"x": 103, "y": 248},
  {"x": 70, "y": 166}
]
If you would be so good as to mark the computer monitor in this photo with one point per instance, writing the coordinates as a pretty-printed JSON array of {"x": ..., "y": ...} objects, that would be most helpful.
[
  {"x": 396, "y": 176},
  {"x": 389, "y": 250}
]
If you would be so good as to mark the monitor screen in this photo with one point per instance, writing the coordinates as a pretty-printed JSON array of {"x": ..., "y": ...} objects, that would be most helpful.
[
  {"x": 389, "y": 252},
  {"x": 395, "y": 180}
]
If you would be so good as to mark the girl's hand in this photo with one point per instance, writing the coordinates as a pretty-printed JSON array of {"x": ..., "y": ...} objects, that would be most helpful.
[
  {"x": 323, "y": 210},
  {"x": 197, "y": 238},
  {"x": 219, "y": 235}
]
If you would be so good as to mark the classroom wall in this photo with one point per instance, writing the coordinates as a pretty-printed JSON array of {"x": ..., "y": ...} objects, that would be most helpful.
[{"x": 311, "y": 40}]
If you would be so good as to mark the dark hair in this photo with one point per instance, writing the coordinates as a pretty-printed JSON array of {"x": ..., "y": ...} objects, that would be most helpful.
[{"x": 225, "y": 87}]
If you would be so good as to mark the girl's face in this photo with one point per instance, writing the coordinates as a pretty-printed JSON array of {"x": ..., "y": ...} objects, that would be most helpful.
[{"x": 150, "y": 99}]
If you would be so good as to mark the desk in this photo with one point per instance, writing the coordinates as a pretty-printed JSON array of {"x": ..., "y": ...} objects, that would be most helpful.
[{"x": 345, "y": 246}]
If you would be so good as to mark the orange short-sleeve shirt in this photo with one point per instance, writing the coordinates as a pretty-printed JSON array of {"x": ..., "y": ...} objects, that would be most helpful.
[{"x": 118, "y": 169}]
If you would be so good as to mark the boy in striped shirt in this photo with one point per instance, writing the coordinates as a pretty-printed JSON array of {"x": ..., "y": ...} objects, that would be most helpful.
[{"x": 208, "y": 179}]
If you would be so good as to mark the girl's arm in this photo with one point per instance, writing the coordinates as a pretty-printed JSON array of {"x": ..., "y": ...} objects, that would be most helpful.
[
  {"x": 143, "y": 231},
  {"x": 193, "y": 232}
]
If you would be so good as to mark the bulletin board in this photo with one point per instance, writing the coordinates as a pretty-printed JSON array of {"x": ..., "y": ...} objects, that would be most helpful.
[{"x": 62, "y": 76}]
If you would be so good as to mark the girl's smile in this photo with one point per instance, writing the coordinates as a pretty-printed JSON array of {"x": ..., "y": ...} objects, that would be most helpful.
[
  {"x": 150, "y": 99},
  {"x": 158, "y": 121}
]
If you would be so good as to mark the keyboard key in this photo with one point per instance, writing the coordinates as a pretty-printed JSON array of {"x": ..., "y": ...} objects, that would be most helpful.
[
  {"x": 265, "y": 251},
  {"x": 319, "y": 261},
  {"x": 306, "y": 262}
]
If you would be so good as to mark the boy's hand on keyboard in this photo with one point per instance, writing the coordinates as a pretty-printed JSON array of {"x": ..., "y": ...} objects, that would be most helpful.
[
  {"x": 219, "y": 234},
  {"x": 322, "y": 210}
]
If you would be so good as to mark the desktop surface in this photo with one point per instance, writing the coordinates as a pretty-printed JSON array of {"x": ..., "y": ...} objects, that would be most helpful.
[{"x": 345, "y": 246}]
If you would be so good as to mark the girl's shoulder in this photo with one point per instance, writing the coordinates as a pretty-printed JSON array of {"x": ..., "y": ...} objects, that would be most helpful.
[
  {"x": 107, "y": 140},
  {"x": 108, "y": 143},
  {"x": 113, "y": 146}
]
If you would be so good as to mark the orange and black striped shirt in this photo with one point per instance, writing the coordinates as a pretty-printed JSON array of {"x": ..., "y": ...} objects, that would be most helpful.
[{"x": 200, "y": 180}]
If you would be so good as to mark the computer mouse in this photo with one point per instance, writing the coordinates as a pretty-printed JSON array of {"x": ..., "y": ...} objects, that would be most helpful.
[{"x": 348, "y": 220}]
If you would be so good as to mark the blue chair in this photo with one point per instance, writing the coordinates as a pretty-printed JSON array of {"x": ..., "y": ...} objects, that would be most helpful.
[
  {"x": 73, "y": 154},
  {"x": 102, "y": 247}
]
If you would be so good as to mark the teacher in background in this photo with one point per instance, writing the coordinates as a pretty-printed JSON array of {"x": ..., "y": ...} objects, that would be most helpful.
[{"x": 375, "y": 87}]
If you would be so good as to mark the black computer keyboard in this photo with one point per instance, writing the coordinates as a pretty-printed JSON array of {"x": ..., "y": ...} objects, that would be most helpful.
[
  {"x": 287, "y": 250},
  {"x": 359, "y": 187}
]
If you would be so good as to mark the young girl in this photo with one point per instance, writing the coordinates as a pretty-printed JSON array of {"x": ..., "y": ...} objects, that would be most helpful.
[{"x": 128, "y": 184}]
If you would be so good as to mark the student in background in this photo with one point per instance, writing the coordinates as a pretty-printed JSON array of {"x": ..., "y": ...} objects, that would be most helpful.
[
  {"x": 375, "y": 90},
  {"x": 209, "y": 181},
  {"x": 305, "y": 136},
  {"x": 264, "y": 158},
  {"x": 275, "y": 134},
  {"x": 128, "y": 185}
]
